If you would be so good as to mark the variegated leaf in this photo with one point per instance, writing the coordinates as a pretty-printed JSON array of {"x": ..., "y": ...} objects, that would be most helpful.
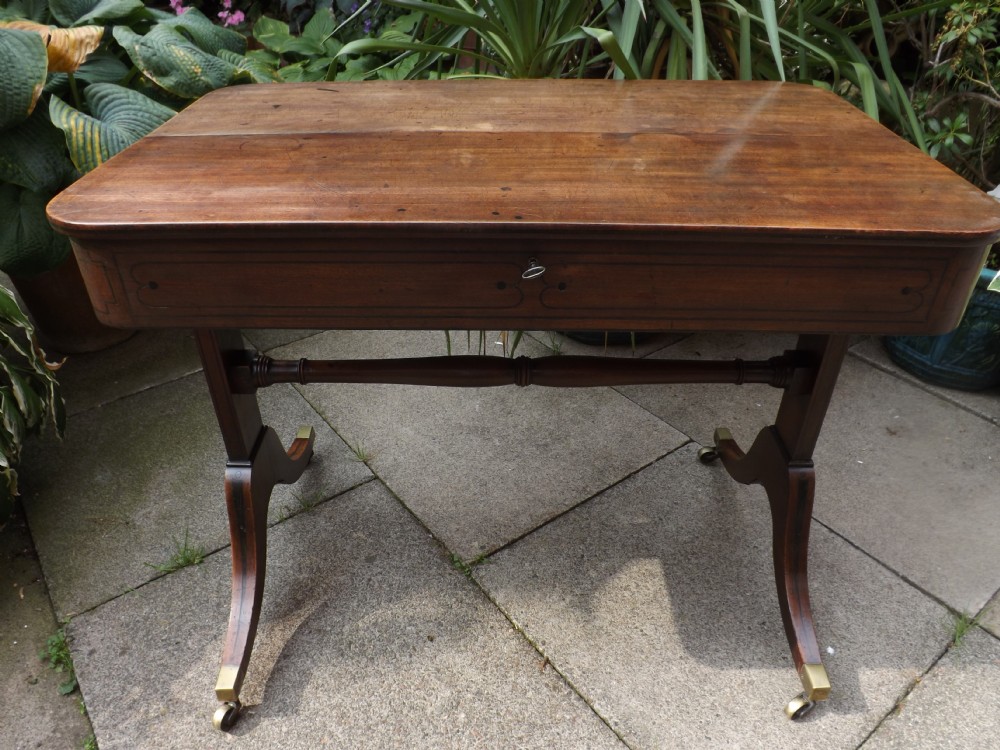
[
  {"x": 172, "y": 62},
  {"x": 33, "y": 155},
  {"x": 205, "y": 34},
  {"x": 28, "y": 245},
  {"x": 24, "y": 65},
  {"x": 120, "y": 117},
  {"x": 66, "y": 48},
  {"x": 79, "y": 12}
]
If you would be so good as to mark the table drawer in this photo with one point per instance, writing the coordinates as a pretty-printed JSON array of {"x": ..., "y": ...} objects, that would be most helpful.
[{"x": 586, "y": 284}]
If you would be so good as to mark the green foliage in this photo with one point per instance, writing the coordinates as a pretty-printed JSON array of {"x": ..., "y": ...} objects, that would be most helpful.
[
  {"x": 961, "y": 625},
  {"x": 466, "y": 568},
  {"x": 315, "y": 53},
  {"x": 359, "y": 453},
  {"x": 23, "y": 53},
  {"x": 29, "y": 394},
  {"x": 72, "y": 96},
  {"x": 56, "y": 653},
  {"x": 526, "y": 39},
  {"x": 119, "y": 117},
  {"x": 184, "y": 555},
  {"x": 835, "y": 44},
  {"x": 853, "y": 47},
  {"x": 954, "y": 61}
]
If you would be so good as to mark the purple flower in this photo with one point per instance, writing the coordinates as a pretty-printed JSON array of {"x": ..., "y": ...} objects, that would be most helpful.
[{"x": 177, "y": 6}]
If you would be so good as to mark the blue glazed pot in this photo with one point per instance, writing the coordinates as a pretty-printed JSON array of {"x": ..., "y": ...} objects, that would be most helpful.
[{"x": 968, "y": 358}]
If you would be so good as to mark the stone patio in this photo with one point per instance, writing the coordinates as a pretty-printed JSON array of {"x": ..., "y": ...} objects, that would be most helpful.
[{"x": 502, "y": 568}]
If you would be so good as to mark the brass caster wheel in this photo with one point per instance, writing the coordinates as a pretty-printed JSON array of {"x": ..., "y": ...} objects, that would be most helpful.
[
  {"x": 799, "y": 706},
  {"x": 226, "y": 715},
  {"x": 708, "y": 455}
]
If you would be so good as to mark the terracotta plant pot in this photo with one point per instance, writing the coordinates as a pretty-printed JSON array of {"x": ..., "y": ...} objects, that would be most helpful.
[{"x": 58, "y": 304}]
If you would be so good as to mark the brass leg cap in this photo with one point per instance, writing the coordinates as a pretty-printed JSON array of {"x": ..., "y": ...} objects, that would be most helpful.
[
  {"x": 815, "y": 681},
  {"x": 721, "y": 435}
]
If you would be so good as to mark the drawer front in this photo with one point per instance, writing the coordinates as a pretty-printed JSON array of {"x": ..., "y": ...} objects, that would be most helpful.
[{"x": 584, "y": 285}]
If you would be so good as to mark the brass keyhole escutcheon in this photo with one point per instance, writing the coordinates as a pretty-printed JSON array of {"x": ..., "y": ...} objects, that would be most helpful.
[{"x": 534, "y": 269}]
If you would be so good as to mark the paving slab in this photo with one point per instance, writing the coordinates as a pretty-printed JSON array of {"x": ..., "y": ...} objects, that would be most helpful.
[
  {"x": 369, "y": 638},
  {"x": 645, "y": 344},
  {"x": 956, "y": 705},
  {"x": 481, "y": 467},
  {"x": 990, "y": 617},
  {"x": 656, "y": 600},
  {"x": 147, "y": 359},
  {"x": 900, "y": 472},
  {"x": 265, "y": 339},
  {"x": 984, "y": 403},
  {"x": 142, "y": 472},
  {"x": 696, "y": 410},
  {"x": 34, "y": 714}
]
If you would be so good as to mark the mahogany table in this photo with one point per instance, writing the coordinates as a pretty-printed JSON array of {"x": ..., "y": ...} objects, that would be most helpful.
[{"x": 558, "y": 205}]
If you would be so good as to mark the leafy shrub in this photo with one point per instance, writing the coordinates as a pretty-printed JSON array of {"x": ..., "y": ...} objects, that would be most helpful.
[
  {"x": 83, "y": 80},
  {"x": 955, "y": 62},
  {"x": 29, "y": 394}
]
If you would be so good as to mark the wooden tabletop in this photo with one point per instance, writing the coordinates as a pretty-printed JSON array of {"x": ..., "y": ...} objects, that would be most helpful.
[{"x": 494, "y": 156}]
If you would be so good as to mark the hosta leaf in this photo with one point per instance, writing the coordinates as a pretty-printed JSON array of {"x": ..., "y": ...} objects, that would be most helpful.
[
  {"x": 79, "y": 12},
  {"x": 102, "y": 67},
  {"x": 32, "y": 10},
  {"x": 120, "y": 117},
  {"x": 33, "y": 155},
  {"x": 175, "y": 64},
  {"x": 66, "y": 48},
  {"x": 193, "y": 24},
  {"x": 28, "y": 245},
  {"x": 24, "y": 65}
]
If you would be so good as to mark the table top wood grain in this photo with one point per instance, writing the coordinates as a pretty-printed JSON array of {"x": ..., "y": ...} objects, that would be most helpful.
[{"x": 489, "y": 156}]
